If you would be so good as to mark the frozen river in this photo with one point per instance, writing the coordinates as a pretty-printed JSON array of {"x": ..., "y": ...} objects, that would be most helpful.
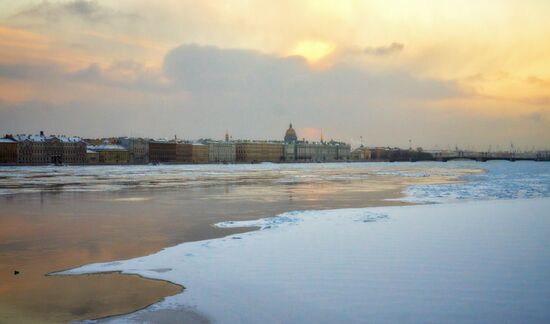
[
  {"x": 481, "y": 254},
  {"x": 52, "y": 179}
]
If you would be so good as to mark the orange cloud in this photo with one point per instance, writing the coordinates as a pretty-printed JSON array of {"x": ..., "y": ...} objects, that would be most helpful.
[
  {"x": 23, "y": 47},
  {"x": 309, "y": 133}
]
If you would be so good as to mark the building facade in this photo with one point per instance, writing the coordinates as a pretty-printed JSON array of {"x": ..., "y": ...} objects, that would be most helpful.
[
  {"x": 31, "y": 149},
  {"x": 343, "y": 151},
  {"x": 110, "y": 154},
  {"x": 289, "y": 152},
  {"x": 253, "y": 152},
  {"x": 42, "y": 149},
  {"x": 8, "y": 150},
  {"x": 360, "y": 154},
  {"x": 73, "y": 150},
  {"x": 184, "y": 152},
  {"x": 302, "y": 151},
  {"x": 222, "y": 152},
  {"x": 138, "y": 149},
  {"x": 199, "y": 153},
  {"x": 162, "y": 151},
  {"x": 53, "y": 150},
  {"x": 92, "y": 157}
]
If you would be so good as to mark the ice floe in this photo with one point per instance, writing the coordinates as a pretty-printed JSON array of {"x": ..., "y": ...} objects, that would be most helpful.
[{"x": 485, "y": 261}]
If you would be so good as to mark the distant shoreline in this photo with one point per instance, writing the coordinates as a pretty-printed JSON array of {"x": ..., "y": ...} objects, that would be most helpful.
[{"x": 254, "y": 163}]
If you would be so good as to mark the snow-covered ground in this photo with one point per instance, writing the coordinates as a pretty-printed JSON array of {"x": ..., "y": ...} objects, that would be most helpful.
[{"x": 483, "y": 259}]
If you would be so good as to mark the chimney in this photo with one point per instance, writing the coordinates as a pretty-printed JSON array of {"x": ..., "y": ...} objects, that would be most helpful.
[{"x": 42, "y": 133}]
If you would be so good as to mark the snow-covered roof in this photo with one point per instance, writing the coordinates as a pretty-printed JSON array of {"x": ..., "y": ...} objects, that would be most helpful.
[
  {"x": 32, "y": 138},
  {"x": 106, "y": 147},
  {"x": 7, "y": 140},
  {"x": 43, "y": 138},
  {"x": 69, "y": 139}
]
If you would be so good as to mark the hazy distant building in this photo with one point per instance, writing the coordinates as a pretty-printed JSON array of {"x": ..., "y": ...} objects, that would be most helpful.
[
  {"x": 110, "y": 153},
  {"x": 361, "y": 154},
  {"x": 8, "y": 150},
  {"x": 31, "y": 149},
  {"x": 73, "y": 150},
  {"x": 138, "y": 149},
  {"x": 259, "y": 152},
  {"x": 290, "y": 135},
  {"x": 396, "y": 154},
  {"x": 184, "y": 152},
  {"x": 53, "y": 150},
  {"x": 289, "y": 152},
  {"x": 199, "y": 153},
  {"x": 343, "y": 151},
  {"x": 222, "y": 152},
  {"x": 543, "y": 155},
  {"x": 303, "y": 151},
  {"x": 42, "y": 149},
  {"x": 162, "y": 151},
  {"x": 92, "y": 157}
]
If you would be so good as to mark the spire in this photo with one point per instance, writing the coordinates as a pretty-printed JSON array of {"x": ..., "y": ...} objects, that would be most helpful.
[
  {"x": 290, "y": 126},
  {"x": 226, "y": 136},
  {"x": 321, "y": 135}
]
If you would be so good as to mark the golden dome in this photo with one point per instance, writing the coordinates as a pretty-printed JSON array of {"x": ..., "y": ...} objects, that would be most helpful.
[{"x": 290, "y": 135}]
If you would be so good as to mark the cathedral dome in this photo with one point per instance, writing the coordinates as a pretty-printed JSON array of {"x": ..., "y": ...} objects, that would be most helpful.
[{"x": 290, "y": 135}]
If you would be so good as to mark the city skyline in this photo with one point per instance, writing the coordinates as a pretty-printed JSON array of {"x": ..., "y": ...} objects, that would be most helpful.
[{"x": 434, "y": 73}]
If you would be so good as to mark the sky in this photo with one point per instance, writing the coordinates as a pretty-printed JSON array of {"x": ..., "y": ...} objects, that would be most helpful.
[{"x": 435, "y": 74}]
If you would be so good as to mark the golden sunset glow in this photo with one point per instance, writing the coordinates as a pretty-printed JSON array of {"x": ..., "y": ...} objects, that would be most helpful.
[
  {"x": 313, "y": 51},
  {"x": 479, "y": 64}
]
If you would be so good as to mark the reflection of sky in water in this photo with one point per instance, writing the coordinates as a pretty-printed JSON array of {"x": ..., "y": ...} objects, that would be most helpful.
[{"x": 107, "y": 178}]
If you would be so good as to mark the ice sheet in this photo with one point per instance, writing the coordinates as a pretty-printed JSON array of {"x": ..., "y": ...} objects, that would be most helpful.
[{"x": 482, "y": 261}]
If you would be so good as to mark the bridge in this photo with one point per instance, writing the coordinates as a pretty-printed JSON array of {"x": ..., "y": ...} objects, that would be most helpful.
[{"x": 445, "y": 156}]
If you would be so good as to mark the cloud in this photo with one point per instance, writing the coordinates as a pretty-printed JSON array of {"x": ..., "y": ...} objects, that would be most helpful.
[
  {"x": 539, "y": 81},
  {"x": 27, "y": 71},
  {"x": 543, "y": 100},
  {"x": 393, "y": 48},
  {"x": 208, "y": 69},
  {"x": 84, "y": 10},
  {"x": 200, "y": 91}
]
